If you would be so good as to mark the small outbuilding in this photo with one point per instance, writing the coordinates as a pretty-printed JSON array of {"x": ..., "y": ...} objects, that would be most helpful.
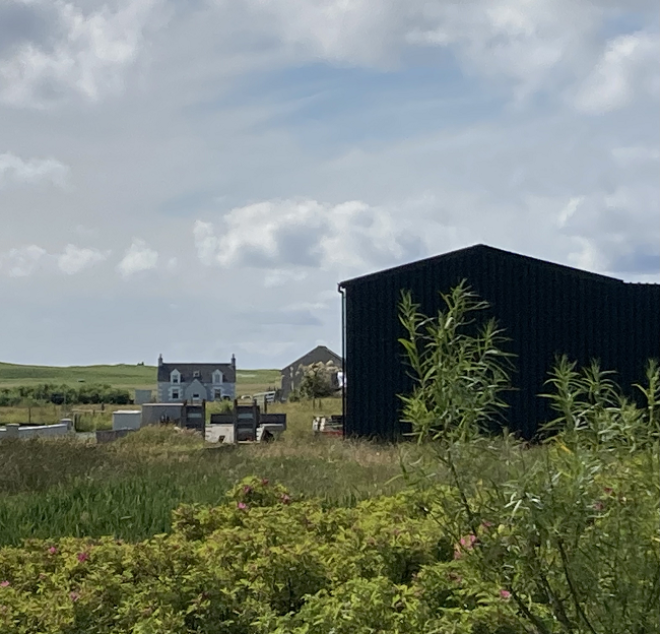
[
  {"x": 126, "y": 419},
  {"x": 292, "y": 375}
]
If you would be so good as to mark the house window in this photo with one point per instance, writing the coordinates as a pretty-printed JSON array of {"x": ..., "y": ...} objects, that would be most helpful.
[
  {"x": 217, "y": 395},
  {"x": 175, "y": 395},
  {"x": 196, "y": 396},
  {"x": 175, "y": 376},
  {"x": 217, "y": 376}
]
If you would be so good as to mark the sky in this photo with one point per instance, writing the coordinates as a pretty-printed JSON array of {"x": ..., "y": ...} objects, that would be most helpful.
[{"x": 195, "y": 178}]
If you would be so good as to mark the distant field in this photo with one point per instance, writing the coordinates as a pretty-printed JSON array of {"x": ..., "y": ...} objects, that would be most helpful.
[{"x": 124, "y": 376}]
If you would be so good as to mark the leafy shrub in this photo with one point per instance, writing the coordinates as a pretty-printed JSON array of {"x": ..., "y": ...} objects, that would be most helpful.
[
  {"x": 264, "y": 561},
  {"x": 569, "y": 531},
  {"x": 60, "y": 394},
  {"x": 260, "y": 562}
]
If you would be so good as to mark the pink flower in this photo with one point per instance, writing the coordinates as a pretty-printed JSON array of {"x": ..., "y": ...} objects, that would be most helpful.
[
  {"x": 4, "y": 584},
  {"x": 242, "y": 506},
  {"x": 52, "y": 550},
  {"x": 247, "y": 489},
  {"x": 74, "y": 596},
  {"x": 82, "y": 557},
  {"x": 486, "y": 525},
  {"x": 285, "y": 499},
  {"x": 468, "y": 542},
  {"x": 457, "y": 554},
  {"x": 505, "y": 594}
]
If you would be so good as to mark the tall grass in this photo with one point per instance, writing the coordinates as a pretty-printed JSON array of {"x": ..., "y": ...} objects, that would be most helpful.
[{"x": 58, "y": 487}]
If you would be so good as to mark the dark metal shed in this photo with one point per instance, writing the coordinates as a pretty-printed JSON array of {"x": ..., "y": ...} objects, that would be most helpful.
[{"x": 546, "y": 309}]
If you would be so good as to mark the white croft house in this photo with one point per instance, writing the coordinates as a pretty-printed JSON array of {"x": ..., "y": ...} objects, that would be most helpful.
[{"x": 196, "y": 381}]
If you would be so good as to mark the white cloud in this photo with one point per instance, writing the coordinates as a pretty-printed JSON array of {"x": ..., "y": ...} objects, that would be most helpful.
[
  {"x": 567, "y": 212},
  {"x": 627, "y": 68},
  {"x": 614, "y": 231},
  {"x": 304, "y": 233},
  {"x": 23, "y": 261},
  {"x": 88, "y": 58},
  {"x": 138, "y": 257},
  {"x": 528, "y": 43},
  {"x": 13, "y": 169},
  {"x": 429, "y": 158},
  {"x": 587, "y": 256},
  {"x": 538, "y": 46},
  {"x": 75, "y": 259}
]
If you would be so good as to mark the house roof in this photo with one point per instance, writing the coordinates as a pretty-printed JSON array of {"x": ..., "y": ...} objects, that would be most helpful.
[
  {"x": 476, "y": 250},
  {"x": 320, "y": 353},
  {"x": 187, "y": 371}
]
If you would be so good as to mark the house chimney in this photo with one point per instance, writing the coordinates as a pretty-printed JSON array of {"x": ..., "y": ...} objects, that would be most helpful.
[
  {"x": 233, "y": 361},
  {"x": 160, "y": 359}
]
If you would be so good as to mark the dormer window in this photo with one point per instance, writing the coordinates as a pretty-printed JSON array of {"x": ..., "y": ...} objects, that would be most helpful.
[
  {"x": 175, "y": 376},
  {"x": 217, "y": 376}
]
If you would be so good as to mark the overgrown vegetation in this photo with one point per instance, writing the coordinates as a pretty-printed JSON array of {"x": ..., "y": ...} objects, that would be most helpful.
[
  {"x": 569, "y": 529},
  {"x": 60, "y": 487},
  {"x": 480, "y": 534}
]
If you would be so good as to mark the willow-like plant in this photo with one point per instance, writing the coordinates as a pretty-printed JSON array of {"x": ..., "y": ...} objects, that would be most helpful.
[
  {"x": 459, "y": 369},
  {"x": 567, "y": 528},
  {"x": 592, "y": 411}
]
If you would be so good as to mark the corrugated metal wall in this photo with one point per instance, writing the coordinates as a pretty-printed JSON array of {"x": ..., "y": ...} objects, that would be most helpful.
[{"x": 545, "y": 309}]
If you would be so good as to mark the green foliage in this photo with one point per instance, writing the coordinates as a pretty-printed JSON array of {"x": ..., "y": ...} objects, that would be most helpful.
[
  {"x": 261, "y": 562},
  {"x": 261, "y": 559},
  {"x": 317, "y": 380},
  {"x": 568, "y": 530},
  {"x": 590, "y": 407},
  {"x": 60, "y": 487},
  {"x": 497, "y": 537},
  {"x": 61, "y": 394},
  {"x": 459, "y": 370}
]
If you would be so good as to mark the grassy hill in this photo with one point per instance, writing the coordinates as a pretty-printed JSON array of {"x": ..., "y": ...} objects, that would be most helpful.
[{"x": 121, "y": 375}]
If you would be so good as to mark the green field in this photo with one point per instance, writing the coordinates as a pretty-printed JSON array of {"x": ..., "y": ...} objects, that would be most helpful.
[
  {"x": 92, "y": 417},
  {"x": 129, "y": 377}
]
